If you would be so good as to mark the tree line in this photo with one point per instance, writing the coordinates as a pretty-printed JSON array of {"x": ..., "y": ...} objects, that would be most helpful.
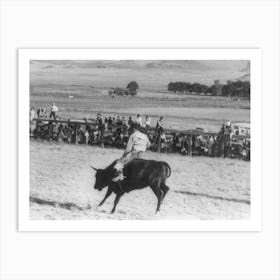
[{"x": 231, "y": 88}]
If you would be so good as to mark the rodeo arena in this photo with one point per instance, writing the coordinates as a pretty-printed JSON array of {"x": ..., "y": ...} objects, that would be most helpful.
[{"x": 232, "y": 141}]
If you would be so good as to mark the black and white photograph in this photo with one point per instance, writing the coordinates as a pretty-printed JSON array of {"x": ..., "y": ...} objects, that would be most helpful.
[{"x": 140, "y": 139}]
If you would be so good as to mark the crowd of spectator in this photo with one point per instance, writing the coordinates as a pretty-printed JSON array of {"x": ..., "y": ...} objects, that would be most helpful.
[{"x": 114, "y": 132}]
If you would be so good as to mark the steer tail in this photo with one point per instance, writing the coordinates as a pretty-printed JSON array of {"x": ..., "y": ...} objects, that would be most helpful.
[{"x": 168, "y": 170}]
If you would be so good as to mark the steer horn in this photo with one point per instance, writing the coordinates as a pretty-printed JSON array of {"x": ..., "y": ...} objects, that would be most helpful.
[{"x": 95, "y": 169}]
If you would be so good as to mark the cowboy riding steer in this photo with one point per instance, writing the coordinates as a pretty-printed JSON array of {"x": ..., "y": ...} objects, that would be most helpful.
[{"x": 138, "y": 174}]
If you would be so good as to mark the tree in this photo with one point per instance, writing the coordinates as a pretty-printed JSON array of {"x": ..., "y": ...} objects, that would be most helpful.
[
  {"x": 247, "y": 89},
  {"x": 216, "y": 89},
  {"x": 204, "y": 89},
  {"x": 226, "y": 90},
  {"x": 196, "y": 88},
  {"x": 132, "y": 88},
  {"x": 171, "y": 87}
]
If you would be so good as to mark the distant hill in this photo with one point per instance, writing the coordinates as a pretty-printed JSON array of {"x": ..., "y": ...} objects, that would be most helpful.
[
  {"x": 244, "y": 78},
  {"x": 149, "y": 74}
]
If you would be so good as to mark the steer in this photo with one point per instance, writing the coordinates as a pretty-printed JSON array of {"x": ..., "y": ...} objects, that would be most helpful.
[{"x": 138, "y": 174}]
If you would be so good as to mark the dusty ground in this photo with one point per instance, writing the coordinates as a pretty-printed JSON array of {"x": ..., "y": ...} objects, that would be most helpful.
[{"x": 61, "y": 186}]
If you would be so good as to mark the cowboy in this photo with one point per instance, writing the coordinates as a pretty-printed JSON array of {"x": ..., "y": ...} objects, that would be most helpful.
[{"x": 138, "y": 143}]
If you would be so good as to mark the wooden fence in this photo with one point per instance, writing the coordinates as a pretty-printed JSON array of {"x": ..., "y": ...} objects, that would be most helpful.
[{"x": 77, "y": 123}]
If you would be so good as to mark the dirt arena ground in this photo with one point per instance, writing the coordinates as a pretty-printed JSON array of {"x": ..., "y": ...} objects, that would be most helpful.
[{"x": 61, "y": 186}]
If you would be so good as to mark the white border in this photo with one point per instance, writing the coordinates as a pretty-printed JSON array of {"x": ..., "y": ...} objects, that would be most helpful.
[{"x": 255, "y": 221}]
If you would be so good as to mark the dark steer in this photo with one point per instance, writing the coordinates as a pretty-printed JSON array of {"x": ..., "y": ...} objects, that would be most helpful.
[{"x": 139, "y": 174}]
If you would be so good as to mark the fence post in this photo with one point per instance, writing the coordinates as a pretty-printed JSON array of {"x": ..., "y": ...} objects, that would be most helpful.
[
  {"x": 76, "y": 134},
  {"x": 158, "y": 144},
  {"x": 190, "y": 150},
  {"x": 222, "y": 146}
]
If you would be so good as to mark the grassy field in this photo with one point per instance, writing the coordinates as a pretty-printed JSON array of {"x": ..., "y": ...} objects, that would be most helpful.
[
  {"x": 200, "y": 188},
  {"x": 179, "y": 111},
  {"x": 89, "y": 82}
]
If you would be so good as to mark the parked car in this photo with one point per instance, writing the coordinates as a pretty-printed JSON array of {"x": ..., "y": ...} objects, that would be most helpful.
[{"x": 241, "y": 129}]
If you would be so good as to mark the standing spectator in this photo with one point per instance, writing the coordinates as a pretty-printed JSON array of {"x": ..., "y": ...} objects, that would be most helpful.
[
  {"x": 32, "y": 123},
  {"x": 163, "y": 140},
  {"x": 226, "y": 136},
  {"x": 223, "y": 129},
  {"x": 130, "y": 121},
  {"x": 86, "y": 137},
  {"x": 110, "y": 124},
  {"x": 124, "y": 121},
  {"x": 54, "y": 110},
  {"x": 39, "y": 113},
  {"x": 139, "y": 120},
  {"x": 148, "y": 122},
  {"x": 60, "y": 134},
  {"x": 159, "y": 126},
  {"x": 124, "y": 125},
  {"x": 44, "y": 112},
  {"x": 119, "y": 141},
  {"x": 159, "y": 132},
  {"x": 110, "y": 121},
  {"x": 119, "y": 121},
  {"x": 101, "y": 129},
  {"x": 210, "y": 144},
  {"x": 159, "y": 123},
  {"x": 32, "y": 114},
  {"x": 228, "y": 130},
  {"x": 216, "y": 149},
  {"x": 55, "y": 131}
]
